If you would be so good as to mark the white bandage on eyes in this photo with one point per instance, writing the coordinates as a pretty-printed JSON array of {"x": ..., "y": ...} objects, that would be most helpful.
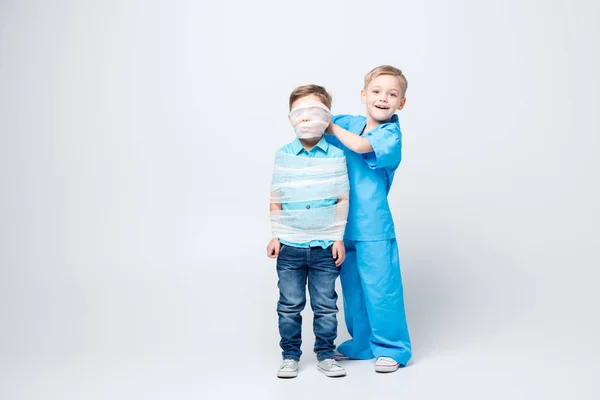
[
  {"x": 310, "y": 119},
  {"x": 299, "y": 182}
]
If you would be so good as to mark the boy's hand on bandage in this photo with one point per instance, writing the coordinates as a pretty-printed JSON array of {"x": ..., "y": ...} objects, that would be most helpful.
[
  {"x": 329, "y": 128},
  {"x": 273, "y": 248},
  {"x": 339, "y": 252}
]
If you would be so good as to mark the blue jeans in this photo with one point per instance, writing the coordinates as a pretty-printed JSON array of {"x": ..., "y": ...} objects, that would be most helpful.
[{"x": 295, "y": 267}]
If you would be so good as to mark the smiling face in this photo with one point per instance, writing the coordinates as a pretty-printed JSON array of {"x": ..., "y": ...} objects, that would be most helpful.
[{"x": 383, "y": 97}]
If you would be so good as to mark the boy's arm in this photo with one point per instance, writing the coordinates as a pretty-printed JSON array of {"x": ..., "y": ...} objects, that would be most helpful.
[
  {"x": 274, "y": 245},
  {"x": 342, "y": 209},
  {"x": 275, "y": 207},
  {"x": 381, "y": 147},
  {"x": 356, "y": 143},
  {"x": 339, "y": 251},
  {"x": 275, "y": 195}
]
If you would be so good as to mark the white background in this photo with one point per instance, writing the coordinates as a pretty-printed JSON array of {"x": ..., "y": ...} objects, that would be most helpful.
[{"x": 136, "y": 147}]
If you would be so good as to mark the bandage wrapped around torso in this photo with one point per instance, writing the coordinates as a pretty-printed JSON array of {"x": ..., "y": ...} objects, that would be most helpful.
[{"x": 313, "y": 193}]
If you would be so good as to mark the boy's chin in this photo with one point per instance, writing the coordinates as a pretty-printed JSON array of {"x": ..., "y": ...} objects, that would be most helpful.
[
  {"x": 312, "y": 138},
  {"x": 381, "y": 118}
]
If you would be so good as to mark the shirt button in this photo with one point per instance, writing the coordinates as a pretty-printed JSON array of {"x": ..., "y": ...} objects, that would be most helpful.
[{"x": 308, "y": 207}]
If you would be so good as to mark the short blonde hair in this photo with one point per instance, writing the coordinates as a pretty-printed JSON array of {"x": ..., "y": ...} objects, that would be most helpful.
[
  {"x": 306, "y": 90},
  {"x": 387, "y": 70}
]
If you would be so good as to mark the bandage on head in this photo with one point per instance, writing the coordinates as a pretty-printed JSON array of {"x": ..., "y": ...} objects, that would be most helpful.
[
  {"x": 310, "y": 119},
  {"x": 301, "y": 180}
]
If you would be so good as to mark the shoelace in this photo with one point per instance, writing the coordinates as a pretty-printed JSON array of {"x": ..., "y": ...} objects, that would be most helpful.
[
  {"x": 332, "y": 363},
  {"x": 287, "y": 364}
]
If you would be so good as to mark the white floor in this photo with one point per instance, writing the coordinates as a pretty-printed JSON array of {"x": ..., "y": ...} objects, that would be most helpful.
[
  {"x": 468, "y": 344},
  {"x": 480, "y": 370}
]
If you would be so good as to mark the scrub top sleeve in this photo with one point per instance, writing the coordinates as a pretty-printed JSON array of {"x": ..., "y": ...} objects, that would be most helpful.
[
  {"x": 332, "y": 140},
  {"x": 342, "y": 120},
  {"x": 386, "y": 141}
]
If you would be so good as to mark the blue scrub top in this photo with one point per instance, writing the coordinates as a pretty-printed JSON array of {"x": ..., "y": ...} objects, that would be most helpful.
[
  {"x": 370, "y": 176},
  {"x": 321, "y": 150}
]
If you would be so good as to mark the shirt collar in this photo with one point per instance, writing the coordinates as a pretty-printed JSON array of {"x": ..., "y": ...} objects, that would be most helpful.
[
  {"x": 361, "y": 123},
  {"x": 297, "y": 146},
  {"x": 322, "y": 144}
]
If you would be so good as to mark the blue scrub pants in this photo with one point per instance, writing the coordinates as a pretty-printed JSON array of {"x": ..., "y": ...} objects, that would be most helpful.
[{"x": 374, "y": 302}]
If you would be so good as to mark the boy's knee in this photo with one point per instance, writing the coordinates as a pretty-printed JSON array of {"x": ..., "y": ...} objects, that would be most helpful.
[
  {"x": 324, "y": 305},
  {"x": 290, "y": 306}
]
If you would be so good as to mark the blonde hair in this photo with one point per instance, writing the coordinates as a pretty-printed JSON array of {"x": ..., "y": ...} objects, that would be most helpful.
[
  {"x": 387, "y": 70},
  {"x": 306, "y": 90}
]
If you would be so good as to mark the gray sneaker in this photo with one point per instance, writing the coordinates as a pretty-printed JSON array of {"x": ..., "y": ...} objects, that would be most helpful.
[
  {"x": 330, "y": 367},
  {"x": 288, "y": 369}
]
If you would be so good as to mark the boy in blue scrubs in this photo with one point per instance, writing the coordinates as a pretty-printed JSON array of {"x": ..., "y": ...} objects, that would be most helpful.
[{"x": 370, "y": 275}]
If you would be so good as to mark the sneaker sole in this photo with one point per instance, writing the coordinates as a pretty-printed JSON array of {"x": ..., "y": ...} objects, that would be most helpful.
[
  {"x": 386, "y": 368},
  {"x": 332, "y": 374},
  {"x": 292, "y": 374}
]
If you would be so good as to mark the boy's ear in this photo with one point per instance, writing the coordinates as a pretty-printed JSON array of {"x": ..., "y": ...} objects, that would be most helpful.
[
  {"x": 402, "y": 103},
  {"x": 363, "y": 96}
]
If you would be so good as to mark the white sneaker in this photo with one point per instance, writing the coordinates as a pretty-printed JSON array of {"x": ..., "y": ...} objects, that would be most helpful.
[
  {"x": 330, "y": 367},
  {"x": 288, "y": 369},
  {"x": 386, "y": 364}
]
